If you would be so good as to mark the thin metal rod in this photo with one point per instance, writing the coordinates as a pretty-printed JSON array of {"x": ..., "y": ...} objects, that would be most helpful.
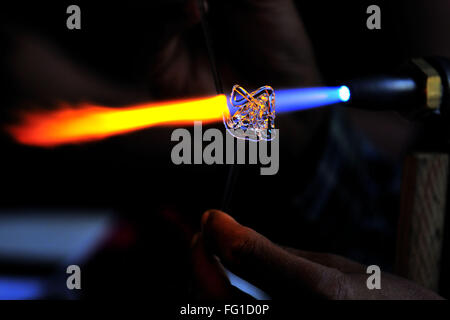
[
  {"x": 229, "y": 187},
  {"x": 233, "y": 171},
  {"x": 209, "y": 48}
]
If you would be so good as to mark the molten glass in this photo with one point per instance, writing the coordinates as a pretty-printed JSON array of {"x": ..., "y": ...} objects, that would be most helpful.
[
  {"x": 89, "y": 122},
  {"x": 255, "y": 117}
]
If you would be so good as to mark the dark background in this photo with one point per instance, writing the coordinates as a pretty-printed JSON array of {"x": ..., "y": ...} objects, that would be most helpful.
[{"x": 133, "y": 175}]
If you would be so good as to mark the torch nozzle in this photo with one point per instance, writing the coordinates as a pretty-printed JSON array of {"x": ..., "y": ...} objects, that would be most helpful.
[{"x": 419, "y": 88}]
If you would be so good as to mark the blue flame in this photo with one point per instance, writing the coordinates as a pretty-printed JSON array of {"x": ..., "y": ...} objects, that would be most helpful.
[{"x": 289, "y": 100}]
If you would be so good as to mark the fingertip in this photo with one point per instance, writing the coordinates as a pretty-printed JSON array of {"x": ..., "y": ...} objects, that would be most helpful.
[
  {"x": 211, "y": 214},
  {"x": 223, "y": 234}
]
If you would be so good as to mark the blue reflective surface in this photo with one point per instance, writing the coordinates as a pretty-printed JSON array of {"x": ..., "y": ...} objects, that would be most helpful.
[{"x": 12, "y": 288}]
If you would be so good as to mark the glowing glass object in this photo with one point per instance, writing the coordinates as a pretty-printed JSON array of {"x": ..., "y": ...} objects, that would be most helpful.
[{"x": 254, "y": 118}]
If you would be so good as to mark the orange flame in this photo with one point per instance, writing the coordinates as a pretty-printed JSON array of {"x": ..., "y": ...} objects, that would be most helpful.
[{"x": 89, "y": 122}]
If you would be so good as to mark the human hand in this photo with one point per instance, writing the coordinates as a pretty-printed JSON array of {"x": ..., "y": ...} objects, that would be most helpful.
[{"x": 282, "y": 272}]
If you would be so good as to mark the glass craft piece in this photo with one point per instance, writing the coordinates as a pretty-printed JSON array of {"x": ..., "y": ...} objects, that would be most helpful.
[{"x": 254, "y": 118}]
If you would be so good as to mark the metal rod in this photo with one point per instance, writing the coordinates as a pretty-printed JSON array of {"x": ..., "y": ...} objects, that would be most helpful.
[
  {"x": 233, "y": 171},
  {"x": 212, "y": 61}
]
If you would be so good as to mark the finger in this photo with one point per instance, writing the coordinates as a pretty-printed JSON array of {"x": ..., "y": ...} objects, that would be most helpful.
[
  {"x": 330, "y": 260},
  {"x": 268, "y": 266},
  {"x": 210, "y": 280}
]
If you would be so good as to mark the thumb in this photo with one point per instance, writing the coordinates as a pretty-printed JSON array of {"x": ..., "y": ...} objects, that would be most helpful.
[
  {"x": 210, "y": 280},
  {"x": 256, "y": 259}
]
